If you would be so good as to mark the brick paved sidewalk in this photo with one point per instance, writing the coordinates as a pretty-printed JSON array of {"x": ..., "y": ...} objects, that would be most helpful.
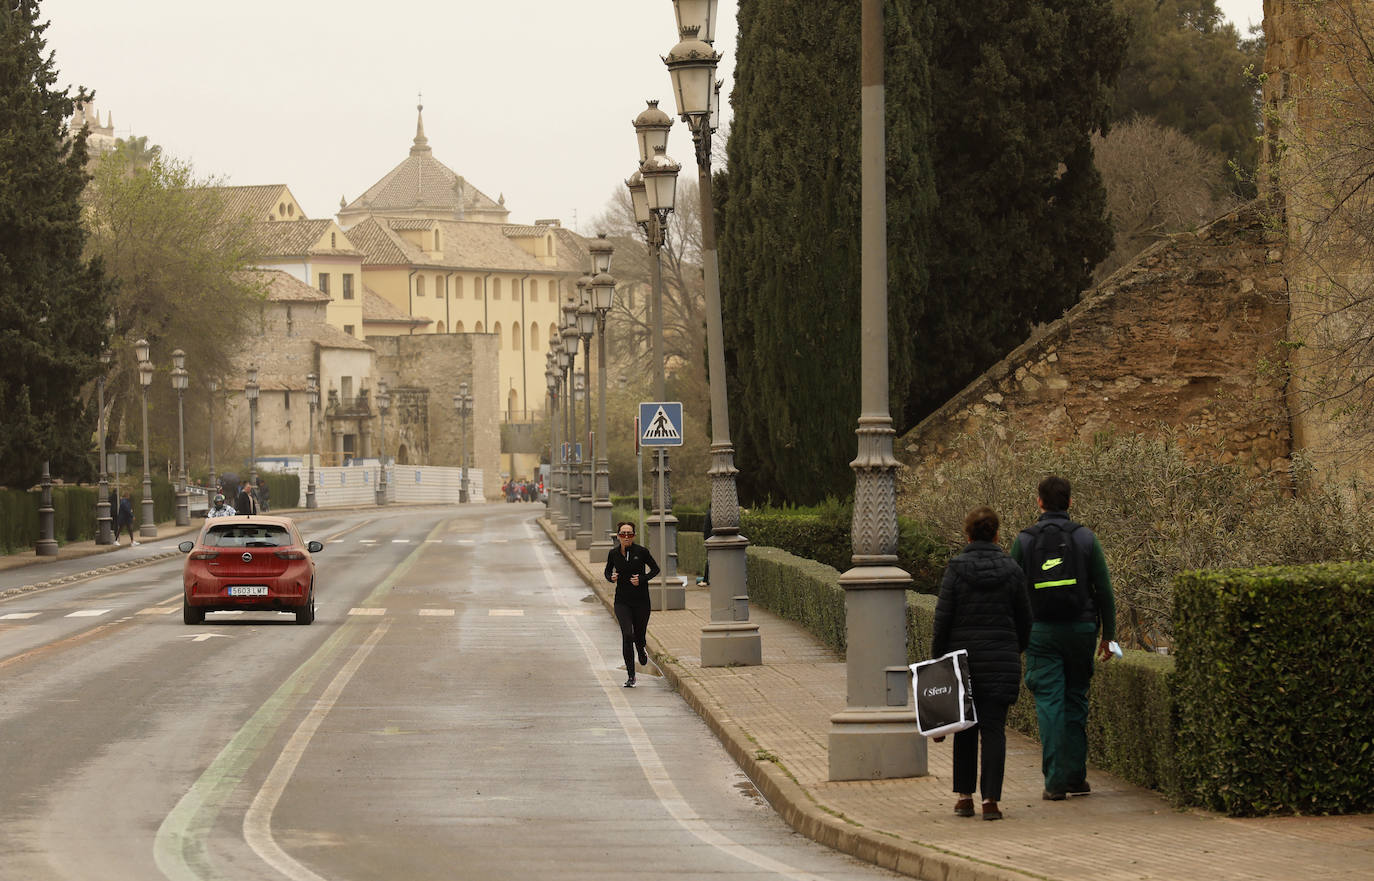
[{"x": 775, "y": 721}]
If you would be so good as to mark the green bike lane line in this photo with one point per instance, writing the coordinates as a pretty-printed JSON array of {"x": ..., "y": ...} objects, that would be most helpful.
[{"x": 180, "y": 848}]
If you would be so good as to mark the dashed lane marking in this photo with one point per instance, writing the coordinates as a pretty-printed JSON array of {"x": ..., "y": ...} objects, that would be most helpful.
[
  {"x": 89, "y": 613},
  {"x": 17, "y": 616},
  {"x": 437, "y": 613},
  {"x": 158, "y": 610},
  {"x": 400, "y": 541},
  {"x": 357, "y": 610},
  {"x": 505, "y": 613}
]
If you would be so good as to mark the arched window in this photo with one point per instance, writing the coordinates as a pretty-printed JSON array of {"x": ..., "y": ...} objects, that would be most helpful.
[
  {"x": 496, "y": 288},
  {"x": 534, "y": 290},
  {"x": 458, "y": 328},
  {"x": 419, "y": 285},
  {"x": 439, "y": 327},
  {"x": 534, "y": 335},
  {"x": 436, "y": 240},
  {"x": 550, "y": 244},
  {"x": 500, "y": 340},
  {"x": 458, "y": 288},
  {"x": 515, "y": 339},
  {"x": 513, "y": 401},
  {"x": 478, "y": 328}
]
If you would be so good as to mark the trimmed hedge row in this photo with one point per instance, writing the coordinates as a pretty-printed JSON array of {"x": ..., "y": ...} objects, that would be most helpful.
[
  {"x": 74, "y": 513},
  {"x": 1273, "y": 694}
]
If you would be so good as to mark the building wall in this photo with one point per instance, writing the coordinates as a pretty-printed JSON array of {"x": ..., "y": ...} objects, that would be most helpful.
[{"x": 1180, "y": 338}]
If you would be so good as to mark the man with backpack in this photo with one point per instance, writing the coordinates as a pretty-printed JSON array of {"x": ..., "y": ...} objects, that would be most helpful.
[{"x": 1071, "y": 598}]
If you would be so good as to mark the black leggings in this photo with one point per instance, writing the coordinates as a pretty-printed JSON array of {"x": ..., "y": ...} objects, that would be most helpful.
[{"x": 634, "y": 627}]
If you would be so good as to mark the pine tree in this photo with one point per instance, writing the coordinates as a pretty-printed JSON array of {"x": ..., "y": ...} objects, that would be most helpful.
[
  {"x": 789, "y": 211},
  {"x": 52, "y": 303}
]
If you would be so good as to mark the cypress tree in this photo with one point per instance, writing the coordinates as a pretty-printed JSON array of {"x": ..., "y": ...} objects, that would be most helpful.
[
  {"x": 789, "y": 220},
  {"x": 52, "y": 303}
]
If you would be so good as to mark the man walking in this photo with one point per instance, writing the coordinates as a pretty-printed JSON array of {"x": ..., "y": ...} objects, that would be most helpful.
[{"x": 1071, "y": 598}]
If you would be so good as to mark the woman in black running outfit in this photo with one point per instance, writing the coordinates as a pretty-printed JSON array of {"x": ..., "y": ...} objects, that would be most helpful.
[{"x": 631, "y": 567}]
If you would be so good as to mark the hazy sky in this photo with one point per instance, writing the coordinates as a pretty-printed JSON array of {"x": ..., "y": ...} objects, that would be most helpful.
[{"x": 528, "y": 98}]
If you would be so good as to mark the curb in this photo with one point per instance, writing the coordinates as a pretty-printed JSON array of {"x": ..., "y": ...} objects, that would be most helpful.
[{"x": 790, "y": 799}]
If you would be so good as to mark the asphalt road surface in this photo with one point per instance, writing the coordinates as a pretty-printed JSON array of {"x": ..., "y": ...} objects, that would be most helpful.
[{"x": 455, "y": 712}]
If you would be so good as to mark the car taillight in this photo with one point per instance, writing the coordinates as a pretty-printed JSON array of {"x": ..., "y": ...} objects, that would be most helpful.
[
  {"x": 205, "y": 555},
  {"x": 290, "y": 555}
]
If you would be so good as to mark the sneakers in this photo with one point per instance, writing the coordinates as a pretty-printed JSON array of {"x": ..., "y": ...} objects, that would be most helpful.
[
  {"x": 643, "y": 657},
  {"x": 963, "y": 807},
  {"x": 630, "y": 683},
  {"x": 1078, "y": 788},
  {"x": 990, "y": 810},
  {"x": 134, "y": 544}
]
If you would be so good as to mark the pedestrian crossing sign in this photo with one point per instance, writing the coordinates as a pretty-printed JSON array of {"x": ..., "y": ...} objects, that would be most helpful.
[{"x": 660, "y": 424}]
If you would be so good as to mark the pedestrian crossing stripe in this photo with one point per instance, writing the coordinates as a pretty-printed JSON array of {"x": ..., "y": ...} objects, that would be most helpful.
[{"x": 661, "y": 424}]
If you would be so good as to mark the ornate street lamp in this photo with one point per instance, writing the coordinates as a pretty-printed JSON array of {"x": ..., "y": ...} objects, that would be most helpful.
[
  {"x": 551, "y": 381},
  {"x": 180, "y": 379},
  {"x": 462, "y": 403},
  {"x": 570, "y": 341},
  {"x": 729, "y": 638},
  {"x": 383, "y": 404},
  {"x": 312, "y": 399},
  {"x": 250, "y": 390},
  {"x": 104, "y": 534},
  {"x": 563, "y": 359},
  {"x": 602, "y": 298},
  {"x": 554, "y": 370},
  {"x": 586, "y": 325},
  {"x": 148, "y": 528},
  {"x": 659, "y": 175},
  {"x": 213, "y": 386}
]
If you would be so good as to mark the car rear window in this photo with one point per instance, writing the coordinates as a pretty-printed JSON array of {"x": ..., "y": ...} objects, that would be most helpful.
[{"x": 247, "y": 535}]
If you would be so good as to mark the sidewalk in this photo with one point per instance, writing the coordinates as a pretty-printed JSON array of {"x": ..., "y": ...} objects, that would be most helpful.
[{"x": 774, "y": 720}]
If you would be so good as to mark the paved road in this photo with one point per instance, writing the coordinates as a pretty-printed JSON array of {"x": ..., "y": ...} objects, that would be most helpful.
[{"x": 454, "y": 712}]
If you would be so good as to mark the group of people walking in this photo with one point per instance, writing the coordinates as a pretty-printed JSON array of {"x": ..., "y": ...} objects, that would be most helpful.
[{"x": 1050, "y": 598}]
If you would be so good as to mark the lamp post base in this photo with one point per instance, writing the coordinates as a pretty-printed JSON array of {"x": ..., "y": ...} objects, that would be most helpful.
[
  {"x": 183, "y": 508},
  {"x": 661, "y": 540},
  {"x": 667, "y": 594},
  {"x": 731, "y": 644},
  {"x": 148, "y": 528},
  {"x": 310, "y": 501},
  {"x": 876, "y": 743}
]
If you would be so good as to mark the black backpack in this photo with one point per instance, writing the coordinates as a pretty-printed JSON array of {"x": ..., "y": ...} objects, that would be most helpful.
[{"x": 1054, "y": 571}]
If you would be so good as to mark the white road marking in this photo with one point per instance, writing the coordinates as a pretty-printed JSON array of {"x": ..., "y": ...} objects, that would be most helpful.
[
  {"x": 17, "y": 616},
  {"x": 158, "y": 610},
  {"x": 400, "y": 541},
  {"x": 367, "y": 541},
  {"x": 505, "y": 613},
  {"x": 499, "y": 541},
  {"x": 654, "y": 771},
  {"x": 358, "y": 610},
  {"x": 466, "y": 541},
  {"x": 576, "y": 612},
  {"x": 202, "y": 637},
  {"x": 335, "y": 541},
  {"x": 89, "y": 613},
  {"x": 442, "y": 613},
  {"x": 257, "y": 823},
  {"x": 434, "y": 541}
]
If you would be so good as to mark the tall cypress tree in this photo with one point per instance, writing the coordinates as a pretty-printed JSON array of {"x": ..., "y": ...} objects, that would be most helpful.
[
  {"x": 1019, "y": 88},
  {"x": 789, "y": 210},
  {"x": 52, "y": 303}
]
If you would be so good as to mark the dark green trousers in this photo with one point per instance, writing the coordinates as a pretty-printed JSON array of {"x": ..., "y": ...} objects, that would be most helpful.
[{"x": 1059, "y": 669}]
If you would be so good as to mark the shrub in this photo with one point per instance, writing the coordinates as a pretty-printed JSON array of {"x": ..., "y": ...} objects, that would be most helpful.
[
  {"x": 1274, "y": 702},
  {"x": 1157, "y": 509}
]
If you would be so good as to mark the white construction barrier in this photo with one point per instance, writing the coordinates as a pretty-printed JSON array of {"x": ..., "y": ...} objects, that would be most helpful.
[{"x": 351, "y": 487}]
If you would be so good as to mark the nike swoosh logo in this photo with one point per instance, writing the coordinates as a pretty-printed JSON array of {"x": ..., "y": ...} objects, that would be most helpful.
[{"x": 1050, "y": 563}]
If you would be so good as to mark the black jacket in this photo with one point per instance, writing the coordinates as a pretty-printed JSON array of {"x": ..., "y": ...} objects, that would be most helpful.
[
  {"x": 640, "y": 562},
  {"x": 984, "y": 608}
]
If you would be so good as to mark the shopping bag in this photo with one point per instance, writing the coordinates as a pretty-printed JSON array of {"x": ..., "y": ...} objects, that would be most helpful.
[{"x": 944, "y": 694}]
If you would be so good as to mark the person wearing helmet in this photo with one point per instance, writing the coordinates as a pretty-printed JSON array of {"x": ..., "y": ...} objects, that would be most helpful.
[{"x": 220, "y": 509}]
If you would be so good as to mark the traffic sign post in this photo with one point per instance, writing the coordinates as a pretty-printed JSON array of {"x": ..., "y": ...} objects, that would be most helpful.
[{"x": 660, "y": 426}]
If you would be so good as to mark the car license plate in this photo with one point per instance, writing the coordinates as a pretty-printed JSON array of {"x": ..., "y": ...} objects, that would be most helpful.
[{"x": 248, "y": 590}]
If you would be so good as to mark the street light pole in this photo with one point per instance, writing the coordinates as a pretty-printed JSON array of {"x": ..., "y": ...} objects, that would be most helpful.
[
  {"x": 251, "y": 389},
  {"x": 570, "y": 341},
  {"x": 729, "y": 638},
  {"x": 552, "y": 382},
  {"x": 875, "y": 736},
  {"x": 586, "y": 323},
  {"x": 148, "y": 528},
  {"x": 180, "y": 379},
  {"x": 462, "y": 402},
  {"x": 565, "y": 434},
  {"x": 383, "y": 404},
  {"x": 213, "y": 385},
  {"x": 602, "y": 299},
  {"x": 312, "y": 399},
  {"x": 104, "y": 534}
]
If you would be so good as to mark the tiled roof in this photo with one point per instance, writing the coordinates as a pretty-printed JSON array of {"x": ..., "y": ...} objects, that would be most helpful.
[
  {"x": 380, "y": 246},
  {"x": 378, "y": 309},
  {"x": 411, "y": 223},
  {"x": 296, "y": 239},
  {"x": 516, "y": 230},
  {"x": 485, "y": 246},
  {"x": 330, "y": 337},
  {"x": 255, "y": 202},
  {"x": 423, "y": 182},
  {"x": 283, "y": 287}
]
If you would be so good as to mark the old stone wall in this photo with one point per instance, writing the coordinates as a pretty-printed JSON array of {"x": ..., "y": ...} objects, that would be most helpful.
[
  {"x": 423, "y": 373},
  {"x": 1184, "y": 336}
]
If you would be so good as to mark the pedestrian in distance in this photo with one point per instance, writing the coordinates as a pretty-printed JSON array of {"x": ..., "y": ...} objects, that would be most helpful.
[
  {"x": 220, "y": 508},
  {"x": 246, "y": 502},
  {"x": 630, "y": 567},
  {"x": 1073, "y": 613},
  {"x": 704, "y": 580},
  {"x": 125, "y": 519},
  {"x": 264, "y": 495},
  {"x": 983, "y": 608}
]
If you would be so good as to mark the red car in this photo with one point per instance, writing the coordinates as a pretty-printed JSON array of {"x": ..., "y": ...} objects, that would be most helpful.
[{"x": 249, "y": 563}]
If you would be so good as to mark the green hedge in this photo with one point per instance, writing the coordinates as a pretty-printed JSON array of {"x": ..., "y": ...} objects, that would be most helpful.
[
  {"x": 74, "y": 513},
  {"x": 283, "y": 490},
  {"x": 1274, "y": 698}
]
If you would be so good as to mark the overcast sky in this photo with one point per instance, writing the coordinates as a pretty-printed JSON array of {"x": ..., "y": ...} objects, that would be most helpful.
[{"x": 528, "y": 98}]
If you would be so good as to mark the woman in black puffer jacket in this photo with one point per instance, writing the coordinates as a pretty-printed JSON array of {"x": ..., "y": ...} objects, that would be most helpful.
[{"x": 984, "y": 608}]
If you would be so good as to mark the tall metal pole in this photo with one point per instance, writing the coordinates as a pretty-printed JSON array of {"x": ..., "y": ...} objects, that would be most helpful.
[
  {"x": 104, "y": 534},
  {"x": 875, "y": 736},
  {"x": 666, "y": 593},
  {"x": 601, "y": 504},
  {"x": 183, "y": 495},
  {"x": 584, "y": 523},
  {"x": 312, "y": 398},
  {"x": 148, "y": 528},
  {"x": 213, "y": 385}
]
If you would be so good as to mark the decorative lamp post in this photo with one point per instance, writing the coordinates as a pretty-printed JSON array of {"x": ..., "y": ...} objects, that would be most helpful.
[
  {"x": 148, "y": 528},
  {"x": 586, "y": 325},
  {"x": 729, "y": 638},
  {"x": 565, "y": 381},
  {"x": 570, "y": 341},
  {"x": 659, "y": 174},
  {"x": 556, "y": 447},
  {"x": 383, "y": 404},
  {"x": 602, "y": 298},
  {"x": 250, "y": 390},
  {"x": 312, "y": 399},
  {"x": 213, "y": 386},
  {"x": 875, "y": 735},
  {"x": 180, "y": 379},
  {"x": 462, "y": 403},
  {"x": 104, "y": 534},
  {"x": 551, "y": 381}
]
